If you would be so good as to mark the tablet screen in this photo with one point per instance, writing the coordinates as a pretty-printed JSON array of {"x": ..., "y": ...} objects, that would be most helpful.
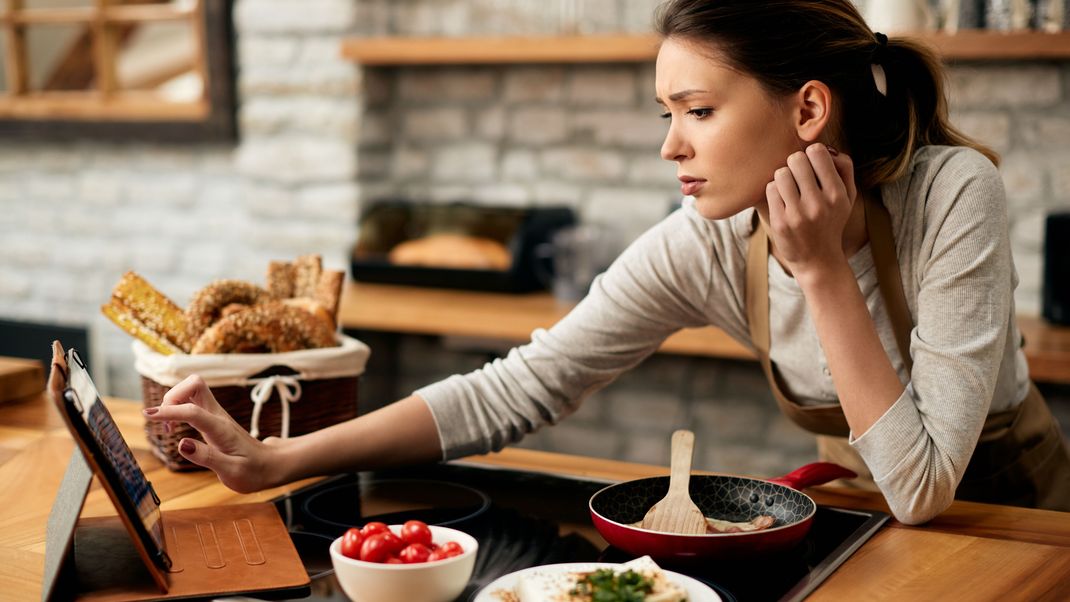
[{"x": 116, "y": 454}]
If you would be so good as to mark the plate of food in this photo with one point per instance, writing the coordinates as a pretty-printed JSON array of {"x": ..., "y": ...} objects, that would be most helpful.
[{"x": 581, "y": 581}]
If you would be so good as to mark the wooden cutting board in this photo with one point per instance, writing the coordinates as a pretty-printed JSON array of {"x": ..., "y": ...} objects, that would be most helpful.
[{"x": 20, "y": 378}]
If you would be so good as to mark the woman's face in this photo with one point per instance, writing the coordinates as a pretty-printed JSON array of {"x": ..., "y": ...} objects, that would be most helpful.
[{"x": 726, "y": 136}]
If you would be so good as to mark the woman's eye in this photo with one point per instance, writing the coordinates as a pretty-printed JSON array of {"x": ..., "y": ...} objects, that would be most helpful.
[
  {"x": 700, "y": 113},
  {"x": 666, "y": 115}
]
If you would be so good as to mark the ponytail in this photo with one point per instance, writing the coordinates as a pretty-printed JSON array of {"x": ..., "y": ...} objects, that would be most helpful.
[
  {"x": 884, "y": 131},
  {"x": 786, "y": 43}
]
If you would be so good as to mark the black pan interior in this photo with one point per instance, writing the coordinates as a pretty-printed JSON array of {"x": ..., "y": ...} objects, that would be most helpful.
[{"x": 734, "y": 499}]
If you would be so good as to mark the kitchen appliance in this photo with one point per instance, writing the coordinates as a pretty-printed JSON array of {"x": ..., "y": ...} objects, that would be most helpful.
[
  {"x": 386, "y": 224},
  {"x": 1057, "y": 269},
  {"x": 533, "y": 519}
]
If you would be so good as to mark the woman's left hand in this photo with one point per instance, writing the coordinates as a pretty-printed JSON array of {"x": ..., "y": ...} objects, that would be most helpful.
[{"x": 810, "y": 202}]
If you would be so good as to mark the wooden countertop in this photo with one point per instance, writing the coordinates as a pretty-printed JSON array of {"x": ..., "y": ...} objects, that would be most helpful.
[
  {"x": 972, "y": 551},
  {"x": 446, "y": 312}
]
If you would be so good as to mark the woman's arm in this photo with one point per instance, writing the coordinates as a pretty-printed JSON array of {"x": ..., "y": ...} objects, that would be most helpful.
[
  {"x": 658, "y": 286},
  {"x": 919, "y": 442},
  {"x": 865, "y": 380},
  {"x": 401, "y": 433},
  {"x": 812, "y": 210}
]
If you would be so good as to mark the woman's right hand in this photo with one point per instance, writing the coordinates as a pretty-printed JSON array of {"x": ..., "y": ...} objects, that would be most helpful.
[{"x": 241, "y": 462}]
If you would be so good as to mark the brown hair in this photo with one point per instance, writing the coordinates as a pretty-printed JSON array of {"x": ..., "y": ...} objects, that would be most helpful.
[{"x": 786, "y": 43}]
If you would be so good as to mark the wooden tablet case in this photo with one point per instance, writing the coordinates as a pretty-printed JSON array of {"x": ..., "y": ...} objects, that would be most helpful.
[{"x": 219, "y": 550}]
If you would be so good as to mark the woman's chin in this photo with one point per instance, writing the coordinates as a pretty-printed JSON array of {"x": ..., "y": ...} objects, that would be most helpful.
[{"x": 717, "y": 208}]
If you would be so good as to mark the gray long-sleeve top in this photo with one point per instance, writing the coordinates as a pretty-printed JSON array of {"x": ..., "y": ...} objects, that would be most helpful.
[{"x": 949, "y": 221}]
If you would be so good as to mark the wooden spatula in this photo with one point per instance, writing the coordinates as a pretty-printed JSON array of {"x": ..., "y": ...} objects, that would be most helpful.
[{"x": 676, "y": 513}]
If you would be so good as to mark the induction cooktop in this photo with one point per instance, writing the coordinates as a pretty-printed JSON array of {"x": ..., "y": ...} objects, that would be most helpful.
[{"x": 524, "y": 519}]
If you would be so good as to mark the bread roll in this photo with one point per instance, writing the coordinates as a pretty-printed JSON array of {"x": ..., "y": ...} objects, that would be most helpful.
[{"x": 453, "y": 251}]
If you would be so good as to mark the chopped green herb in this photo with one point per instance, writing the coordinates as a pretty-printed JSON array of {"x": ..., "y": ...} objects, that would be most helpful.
[{"x": 604, "y": 585}]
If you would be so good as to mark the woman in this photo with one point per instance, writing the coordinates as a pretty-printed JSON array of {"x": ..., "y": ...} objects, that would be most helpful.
[{"x": 836, "y": 222}]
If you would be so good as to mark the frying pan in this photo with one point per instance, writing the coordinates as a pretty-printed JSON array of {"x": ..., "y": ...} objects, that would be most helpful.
[{"x": 616, "y": 508}]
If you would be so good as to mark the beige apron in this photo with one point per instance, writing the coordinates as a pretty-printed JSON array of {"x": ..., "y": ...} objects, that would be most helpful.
[{"x": 1021, "y": 458}]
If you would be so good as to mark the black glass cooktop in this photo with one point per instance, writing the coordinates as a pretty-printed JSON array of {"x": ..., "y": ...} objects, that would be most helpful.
[{"x": 523, "y": 519}]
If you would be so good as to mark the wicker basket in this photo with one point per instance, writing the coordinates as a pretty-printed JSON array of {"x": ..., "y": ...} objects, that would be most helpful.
[{"x": 320, "y": 395}]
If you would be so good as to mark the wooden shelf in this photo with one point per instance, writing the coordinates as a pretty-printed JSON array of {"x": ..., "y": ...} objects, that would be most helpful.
[
  {"x": 500, "y": 50},
  {"x": 380, "y": 52},
  {"x": 512, "y": 318}
]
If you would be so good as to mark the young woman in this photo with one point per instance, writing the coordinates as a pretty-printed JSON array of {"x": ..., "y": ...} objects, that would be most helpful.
[{"x": 835, "y": 221}]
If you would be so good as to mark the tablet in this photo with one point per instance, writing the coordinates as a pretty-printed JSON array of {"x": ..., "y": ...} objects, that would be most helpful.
[{"x": 108, "y": 453}]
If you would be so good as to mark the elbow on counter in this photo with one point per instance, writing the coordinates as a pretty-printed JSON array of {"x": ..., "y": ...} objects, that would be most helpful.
[{"x": 926, "y": 503}]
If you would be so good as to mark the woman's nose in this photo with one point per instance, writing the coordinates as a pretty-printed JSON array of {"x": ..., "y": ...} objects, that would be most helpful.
[{"x": 674, "y": 148}]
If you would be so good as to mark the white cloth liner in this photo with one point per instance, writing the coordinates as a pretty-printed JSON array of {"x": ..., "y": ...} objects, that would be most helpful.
[{"x": 237, "y": 369}]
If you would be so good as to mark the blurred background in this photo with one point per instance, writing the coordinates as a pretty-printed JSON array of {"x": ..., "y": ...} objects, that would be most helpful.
[{"x": 195, "y": 140}]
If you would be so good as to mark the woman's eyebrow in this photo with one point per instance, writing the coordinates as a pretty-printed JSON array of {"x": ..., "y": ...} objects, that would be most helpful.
[{"x": 682, "y": 94}]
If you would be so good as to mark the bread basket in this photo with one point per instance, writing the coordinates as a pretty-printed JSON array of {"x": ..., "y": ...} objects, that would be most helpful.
[{"x": 270, "y": 394}]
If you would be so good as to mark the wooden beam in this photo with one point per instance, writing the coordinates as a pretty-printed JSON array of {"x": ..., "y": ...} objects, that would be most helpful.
[
  {"x": 93, "y": 106},
  {"x": 118, "y": 14},
  {"x": 15, "y": 51},
  {"x": 76, "y": 70},
  {"x": 105, "y": 51},
  {"x": 200, "y": 36}
]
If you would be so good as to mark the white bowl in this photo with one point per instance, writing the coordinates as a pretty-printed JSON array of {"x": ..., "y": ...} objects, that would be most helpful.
[{"x": 438, "y": 581}]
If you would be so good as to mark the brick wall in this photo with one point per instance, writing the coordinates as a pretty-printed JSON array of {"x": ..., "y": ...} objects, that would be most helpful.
[{"x": 319, "y": 137}]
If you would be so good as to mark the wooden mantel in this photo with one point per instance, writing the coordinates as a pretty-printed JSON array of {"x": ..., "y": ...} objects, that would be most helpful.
[{"x": 966, "y": 45}]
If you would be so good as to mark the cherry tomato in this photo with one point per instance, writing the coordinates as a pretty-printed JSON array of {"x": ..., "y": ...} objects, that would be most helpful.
[
  {"x": 374, "y": 527},
  {"x": 436, "y": 555},
  {"x": 415, "y": 531},
  {"x": 414, "y": 553},
  {"x": 351, "y": 543},
  {"x": 451, "y": 549},
  {"x": 379, "y": 546},
  {"x": 394, "y": 560}
]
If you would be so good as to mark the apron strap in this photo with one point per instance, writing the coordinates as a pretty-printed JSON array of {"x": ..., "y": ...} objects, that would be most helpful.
[
  {"x": 824, "y": 419},
  {"x": 889, "y": 280}
]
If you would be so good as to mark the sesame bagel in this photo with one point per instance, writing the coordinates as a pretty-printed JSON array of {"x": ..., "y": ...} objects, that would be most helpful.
[
  {"x": 270, "y": 327},
  {"x": 208, "y": 303}
]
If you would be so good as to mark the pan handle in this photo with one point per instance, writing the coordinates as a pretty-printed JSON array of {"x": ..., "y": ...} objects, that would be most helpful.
[{"x": 815, "y": 473}]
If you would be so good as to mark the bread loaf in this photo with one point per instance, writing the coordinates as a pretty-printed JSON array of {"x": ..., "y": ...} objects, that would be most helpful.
[{"x": 454, "y": 251}]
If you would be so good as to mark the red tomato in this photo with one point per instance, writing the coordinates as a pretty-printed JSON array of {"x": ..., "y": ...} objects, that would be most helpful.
[
  {"x": 415, "y": 531},
  {"x": 379, "y": 547},
  {"x": 436, "y": 555},
  {"x": 351, "y": 543},
  {"x": 394, "y": 560},
  {"x": 373, "y": 528},
  {"x": 414, "y": 553},
  {"x": 451, "y": 549}
]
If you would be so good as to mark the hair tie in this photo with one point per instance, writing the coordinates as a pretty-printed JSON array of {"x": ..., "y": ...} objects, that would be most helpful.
[
  {"x": 876, "y": 63},
  {"x": 876, "y": 56}
]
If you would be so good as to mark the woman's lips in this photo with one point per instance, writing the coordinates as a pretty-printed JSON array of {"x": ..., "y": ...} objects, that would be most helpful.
[{"x": 689, "y": 186}]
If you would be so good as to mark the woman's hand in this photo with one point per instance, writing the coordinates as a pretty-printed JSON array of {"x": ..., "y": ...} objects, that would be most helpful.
[
  {"x": 810, "y": 202},
  {"x": 241, "y": 462}
]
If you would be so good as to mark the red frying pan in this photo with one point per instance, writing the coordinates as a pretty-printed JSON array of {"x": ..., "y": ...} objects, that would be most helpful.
[{"x": 617, "y": 508}]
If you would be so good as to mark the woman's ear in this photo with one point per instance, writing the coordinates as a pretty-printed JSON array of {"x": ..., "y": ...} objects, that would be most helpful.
[{"x": 812, "y": 110}]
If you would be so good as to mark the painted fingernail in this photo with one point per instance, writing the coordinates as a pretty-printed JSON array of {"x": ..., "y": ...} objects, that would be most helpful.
[
  {"x": 832, "y": 151},
  {"x": 150, "y": 411},
  {"x": 187, "y": 447}
]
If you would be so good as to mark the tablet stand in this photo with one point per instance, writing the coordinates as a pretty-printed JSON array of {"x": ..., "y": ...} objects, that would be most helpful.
[
  {"x": 111, "y": 548},
  {"x": 219, "y": 550}
]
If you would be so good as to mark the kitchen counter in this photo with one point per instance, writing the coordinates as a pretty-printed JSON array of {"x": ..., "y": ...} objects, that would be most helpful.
[
  {"x": 512, "y": 318},
  {"x": 971, "y": 552}
]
